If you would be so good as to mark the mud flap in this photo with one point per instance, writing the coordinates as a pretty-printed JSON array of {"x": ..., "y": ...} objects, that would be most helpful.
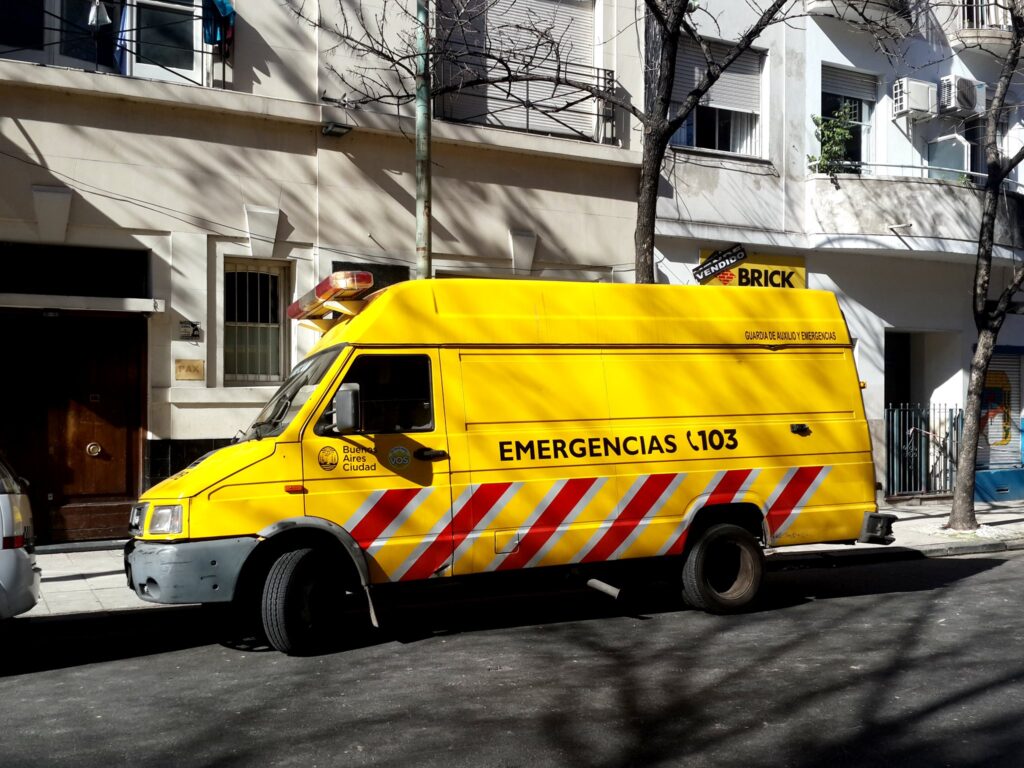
[{"x": 877, "y": 528}]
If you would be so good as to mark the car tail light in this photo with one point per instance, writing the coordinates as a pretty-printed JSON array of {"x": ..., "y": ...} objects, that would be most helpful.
[{"x": 12, "y": 542}]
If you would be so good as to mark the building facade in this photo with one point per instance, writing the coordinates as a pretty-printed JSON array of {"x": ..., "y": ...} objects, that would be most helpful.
[
  {"x": 177, "y": 171},
  {"x": 894, "y": 234}
]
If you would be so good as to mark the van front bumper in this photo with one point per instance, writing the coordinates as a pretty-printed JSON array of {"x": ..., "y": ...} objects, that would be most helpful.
[{"x": 188, "y": 571}]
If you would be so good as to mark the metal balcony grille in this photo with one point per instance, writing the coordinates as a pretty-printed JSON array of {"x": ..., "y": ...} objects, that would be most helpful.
[
  {"x": 534, "y": 106},
  {"x": 984, "y": 14}
]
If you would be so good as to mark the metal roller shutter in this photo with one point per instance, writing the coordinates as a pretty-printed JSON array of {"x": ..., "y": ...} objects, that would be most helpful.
[
  {"x": 845, "y": 82},
  {"x": 999, "y": 442},
  {"x": 739, "y": 87},
  {"x": 571, "y": 23}
]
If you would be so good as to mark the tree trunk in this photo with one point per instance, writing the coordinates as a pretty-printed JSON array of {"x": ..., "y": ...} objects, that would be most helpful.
[
  {"x": 962, "y": 517},
  {"x": 655, "y": 144}
]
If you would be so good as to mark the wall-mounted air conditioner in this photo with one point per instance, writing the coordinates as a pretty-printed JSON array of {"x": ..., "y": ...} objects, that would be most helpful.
[
  {"x": 961, "y": 95},
  {"x": 916, "y": 98}
]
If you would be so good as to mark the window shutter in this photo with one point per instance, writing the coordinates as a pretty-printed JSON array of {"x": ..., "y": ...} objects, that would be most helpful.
[
  {"x": 571, "y": 23},
  {"x": 738, "y": 88},
  {"x": 999, "y": 443},
  {"x": 845, "y": 82}
]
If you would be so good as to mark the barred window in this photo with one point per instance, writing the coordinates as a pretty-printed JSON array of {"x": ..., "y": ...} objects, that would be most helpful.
[{"x": 254, "y": 327}]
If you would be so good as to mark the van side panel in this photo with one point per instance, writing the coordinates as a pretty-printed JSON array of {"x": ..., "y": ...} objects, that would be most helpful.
[
  {"x": 525, "y": 508},
  {"x": 610, "y": 461},
  {"x": 784, "y": 413}
]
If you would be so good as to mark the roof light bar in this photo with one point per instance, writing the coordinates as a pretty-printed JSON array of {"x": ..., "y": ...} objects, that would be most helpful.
[{"x": 337, "y": 287}]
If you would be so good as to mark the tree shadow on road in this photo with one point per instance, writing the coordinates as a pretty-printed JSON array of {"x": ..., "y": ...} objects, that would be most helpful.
[
  {"x": 54, "y": 642},
  {"x": 448, "y": 608}
]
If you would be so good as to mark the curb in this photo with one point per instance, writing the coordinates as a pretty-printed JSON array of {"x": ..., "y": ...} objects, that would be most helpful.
[
  {"x": 896, "y": 552},
  {"x": 970, "y": 548}
]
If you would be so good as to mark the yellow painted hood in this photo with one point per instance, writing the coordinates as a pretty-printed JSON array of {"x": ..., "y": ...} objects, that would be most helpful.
[{"x": 211, "y": 469}]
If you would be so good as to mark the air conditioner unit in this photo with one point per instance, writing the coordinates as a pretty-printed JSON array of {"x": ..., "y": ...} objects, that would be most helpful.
[
  {"x": 961, "y": 95},
  {"x": 916, "y": 98}
]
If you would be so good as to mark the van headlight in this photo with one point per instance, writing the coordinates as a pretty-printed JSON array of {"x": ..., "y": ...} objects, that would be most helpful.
[{"x": 165, "y": 519}]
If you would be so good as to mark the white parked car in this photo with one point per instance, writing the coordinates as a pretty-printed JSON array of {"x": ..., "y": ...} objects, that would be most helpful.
[{"x": 19, "y": 575}]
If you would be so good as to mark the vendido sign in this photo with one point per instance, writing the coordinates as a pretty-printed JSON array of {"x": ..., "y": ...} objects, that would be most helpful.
[
  {"x": 757, "y": 269},
  {"x": 718, "y": 261}
]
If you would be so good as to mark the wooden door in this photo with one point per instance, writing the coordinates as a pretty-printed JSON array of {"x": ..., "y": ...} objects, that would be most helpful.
[{"x": 79, "y": 431}]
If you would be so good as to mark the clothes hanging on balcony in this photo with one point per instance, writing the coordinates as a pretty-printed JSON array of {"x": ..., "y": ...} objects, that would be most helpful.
[
  {"x": 219, "y": 25},
  {"x": 98, "y": 16},
  {"x": 121, "y": 42}
]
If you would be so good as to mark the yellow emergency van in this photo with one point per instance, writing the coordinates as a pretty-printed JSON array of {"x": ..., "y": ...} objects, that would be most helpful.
[{"x": 450, "y": 428}]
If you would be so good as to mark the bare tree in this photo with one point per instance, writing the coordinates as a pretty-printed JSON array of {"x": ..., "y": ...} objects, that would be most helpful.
[
  {"x": 531, "y": 63},
  {"x": 990, "y": 308}
]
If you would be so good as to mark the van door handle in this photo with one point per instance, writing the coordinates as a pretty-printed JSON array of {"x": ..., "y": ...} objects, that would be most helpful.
[
  {"x": 800, "y": 429},
  {"x": 430, "y": 454}
]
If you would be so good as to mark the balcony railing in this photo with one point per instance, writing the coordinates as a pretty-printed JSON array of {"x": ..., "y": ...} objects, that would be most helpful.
[
  {"x": 982, "y": 14},
  {"x": 885, "y": 17},
  {"x": 957, "y": 175},
  {"x": 535, "y": 106}
]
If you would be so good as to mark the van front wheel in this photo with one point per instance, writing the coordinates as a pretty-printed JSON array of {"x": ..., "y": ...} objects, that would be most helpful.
[
  {"x": 294, "y": 601},
  {"x": 723, "y": 570}
]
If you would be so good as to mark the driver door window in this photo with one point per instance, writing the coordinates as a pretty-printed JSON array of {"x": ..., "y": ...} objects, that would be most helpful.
[{"x": 394, "y": 393}]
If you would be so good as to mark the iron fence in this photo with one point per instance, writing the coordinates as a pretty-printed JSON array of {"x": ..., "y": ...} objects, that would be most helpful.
[{"x": 922, "y": 448}]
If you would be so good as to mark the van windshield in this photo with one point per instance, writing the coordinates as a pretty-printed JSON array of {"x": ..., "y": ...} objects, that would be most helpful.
[{"x": 291, "y": 396}]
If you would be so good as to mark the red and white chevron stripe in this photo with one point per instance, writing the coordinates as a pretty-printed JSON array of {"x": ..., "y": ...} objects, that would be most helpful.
[
  {"x": 790, "y": 497},
  {"x": 472, "y": 515}
]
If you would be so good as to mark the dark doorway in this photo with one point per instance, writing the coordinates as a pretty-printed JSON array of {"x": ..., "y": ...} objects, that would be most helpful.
[
  {"x": 75, "y": 393},
  {"x": 897, "y": 368}
]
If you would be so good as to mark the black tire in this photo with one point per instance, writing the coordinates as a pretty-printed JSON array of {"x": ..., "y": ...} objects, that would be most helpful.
[
  {"x": 296, "y": 602},
  {"x": 723, "y": 570}
]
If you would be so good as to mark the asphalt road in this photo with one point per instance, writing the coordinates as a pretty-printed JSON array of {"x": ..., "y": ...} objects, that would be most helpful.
[{"x": 914, "y": 663}]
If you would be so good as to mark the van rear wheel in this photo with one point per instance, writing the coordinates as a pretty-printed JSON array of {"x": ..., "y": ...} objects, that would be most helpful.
[
  {"x": 722, "y": 572},
  {"x": 296, "y": 601}
]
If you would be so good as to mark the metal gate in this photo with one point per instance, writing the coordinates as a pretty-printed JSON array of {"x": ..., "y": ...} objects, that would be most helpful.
[{"x": 922, "y": 448}]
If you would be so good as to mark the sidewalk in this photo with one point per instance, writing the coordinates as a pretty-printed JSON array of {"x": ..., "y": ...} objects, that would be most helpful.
[{"x": 93, "y": 581}]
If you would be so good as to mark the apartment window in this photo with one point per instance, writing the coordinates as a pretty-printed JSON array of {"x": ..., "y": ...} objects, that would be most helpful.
[
  {"x": 158, "y": 39},
  {"x": 166, "y": 44},
  {"x": 856, "y": 92},
  {"x": 728, "y": 118},
  {"x": 949, "y": 158},
  {"x": 72, "y": 33},
  {"x": 974, "y": 132},
  {"x": 254, "y": 323}
]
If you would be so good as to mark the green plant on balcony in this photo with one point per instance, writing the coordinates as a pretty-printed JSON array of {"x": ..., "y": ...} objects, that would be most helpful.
[{"x": 835, "y": 136}]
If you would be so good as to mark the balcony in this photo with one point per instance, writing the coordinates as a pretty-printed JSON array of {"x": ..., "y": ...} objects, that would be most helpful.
[
  {"x": 890, "y": 17},
  {"x": 908, "y": 208},
  {"x": 536, "y": 106},
  {"x": 978, "y": 24}
]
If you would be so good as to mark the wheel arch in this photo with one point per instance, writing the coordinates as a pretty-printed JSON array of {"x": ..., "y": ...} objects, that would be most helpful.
[
  {"x": 295, "y": 533},
  {"x": 745, "y": 514}
]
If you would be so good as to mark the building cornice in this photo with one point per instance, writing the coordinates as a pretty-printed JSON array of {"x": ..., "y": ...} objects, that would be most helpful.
[{"x": 102, "y": 85}]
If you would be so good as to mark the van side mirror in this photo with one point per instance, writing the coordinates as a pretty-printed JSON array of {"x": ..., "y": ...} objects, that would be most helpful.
[{"x": 346, "y": 408}]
